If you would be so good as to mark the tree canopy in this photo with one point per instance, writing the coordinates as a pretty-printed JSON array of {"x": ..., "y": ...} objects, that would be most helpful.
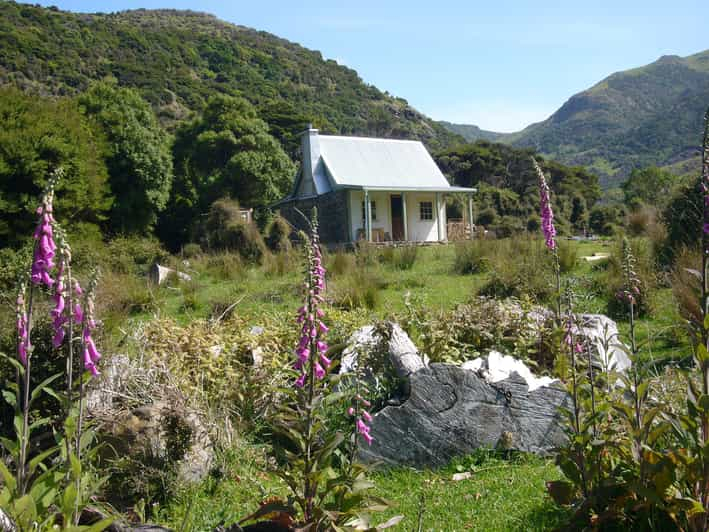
[
  {"x": 139, "y": 159},
  {"x": 37, "y": 136},
  {"x": 226, "y": 152}
]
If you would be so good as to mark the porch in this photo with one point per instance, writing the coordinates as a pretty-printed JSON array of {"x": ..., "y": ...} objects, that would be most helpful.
[{"x": 379, "y": 215}]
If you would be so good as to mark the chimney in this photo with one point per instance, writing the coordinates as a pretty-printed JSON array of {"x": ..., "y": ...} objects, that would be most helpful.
[{"x": 310, "y": 146}]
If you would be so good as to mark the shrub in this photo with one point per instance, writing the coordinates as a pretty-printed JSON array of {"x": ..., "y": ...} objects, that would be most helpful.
[
  {"x": 278, "y": 264},
  {"x": 401, "y": 258},
  {"x": 686, "y": 287},
  {"x": 224, "y": 229},
  {"x": 191, "y": 250},
  {"x": 278, "y": 235},
  {"x": 133, "y": 255},
  {"x": 520, "y": 268},
  {"x": 358, "y": 290},
  {"x": 341, "y": 263},
  {"x": 225, "y": 266},
  {"x": 120, "y": 295},
  {"x": 645, "y": 270},
  {"x": 472, "y": 256},
  {"x": 568, "y": 256}
]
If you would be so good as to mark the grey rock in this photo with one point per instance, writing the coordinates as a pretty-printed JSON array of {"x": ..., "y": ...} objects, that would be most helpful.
[
  {"x": 402, "y": 353},
  {"x": 451, "y": 412}
]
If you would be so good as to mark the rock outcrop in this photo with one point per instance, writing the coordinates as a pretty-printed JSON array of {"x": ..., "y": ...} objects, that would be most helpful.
[{"x": 452, "y": 411}]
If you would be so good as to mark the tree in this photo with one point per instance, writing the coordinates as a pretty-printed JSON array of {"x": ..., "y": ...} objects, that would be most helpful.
[
  {"x": 227, "y": 152},
  {"x": 37, "y": 136},
  {"x": 651, "y": 185},
  {"x": 139, "y": 160}
]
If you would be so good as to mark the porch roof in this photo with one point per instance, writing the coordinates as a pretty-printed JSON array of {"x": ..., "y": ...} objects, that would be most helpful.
[{"x": 446, "y": 189}]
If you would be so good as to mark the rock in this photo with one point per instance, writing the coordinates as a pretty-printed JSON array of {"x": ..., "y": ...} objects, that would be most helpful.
[
  {"x": 6, "y": 524},
  {"x": 402, "y": 353},
  {"x": 603, "y": 334},
  {"x": 496, "y": 367},
  {"x": 159, "y": 274},
  {"x": 452, "y": 411},
  {"x": 160, "y": 433}
]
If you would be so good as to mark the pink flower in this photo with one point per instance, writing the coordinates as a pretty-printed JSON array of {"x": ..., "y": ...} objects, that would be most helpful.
[
  {"x": 300, "y": 381},
  {"x": 367, "y": 416},
  {"x": 350, "y": 411},
  {"x": 319, "y": 371},
  {"x": 545, "y": 207},
  {"x": 325, "y": 361}
]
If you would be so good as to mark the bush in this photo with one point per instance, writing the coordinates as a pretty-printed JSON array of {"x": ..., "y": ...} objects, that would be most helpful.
[
  {"x": 472, "y": 256},
  {"x": 568, "y": 256},
  {"x": 191, "y": 250},
  {"x": 133, "y": 255},
  {"x": 686, "y": 287},
  {"x": 520, "y": 268},
  {"x": 341, "y": 263},
  {"x": 278, "y": 264},
  {"x": 613, "y": 282},
  {"x": 224, "y": 266},
  {"x": 278, "y": 235},
  {"x": 401, "y": 258},
  {"x": 358, "y": 290},
  {"x": 225, "y": 229}
]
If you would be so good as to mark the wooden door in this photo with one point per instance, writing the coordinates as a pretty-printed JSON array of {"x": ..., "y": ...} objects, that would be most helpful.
[{"x": 397, "y": 218}]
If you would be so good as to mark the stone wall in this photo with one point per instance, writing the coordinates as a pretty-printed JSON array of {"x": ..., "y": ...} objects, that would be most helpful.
[{"x": 332, "y": 215}]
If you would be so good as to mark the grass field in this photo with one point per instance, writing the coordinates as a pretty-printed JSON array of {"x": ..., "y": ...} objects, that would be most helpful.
[{"x": 500, "y": 494}]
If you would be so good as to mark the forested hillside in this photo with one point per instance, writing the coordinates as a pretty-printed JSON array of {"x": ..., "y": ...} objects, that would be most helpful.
[{"x": 177, "y": 59}]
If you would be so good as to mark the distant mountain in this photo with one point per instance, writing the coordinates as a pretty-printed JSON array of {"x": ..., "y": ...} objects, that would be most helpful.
[
  {"x": 651, "y": 115},
  {"x": 471, "y": 133},
  {"x": 177, "y": 59}
]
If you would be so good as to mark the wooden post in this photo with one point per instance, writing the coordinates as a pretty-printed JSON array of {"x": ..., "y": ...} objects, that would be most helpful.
[
  {"x": 403, "y": 214},
  {"x": 367, "y": 216},
  {"x": 470, "y": 215}
]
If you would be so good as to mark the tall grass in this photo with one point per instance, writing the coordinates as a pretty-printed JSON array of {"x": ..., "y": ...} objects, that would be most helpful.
[
  {"x": 473, "y": 256},
  {"x": 401, "y": 258}
]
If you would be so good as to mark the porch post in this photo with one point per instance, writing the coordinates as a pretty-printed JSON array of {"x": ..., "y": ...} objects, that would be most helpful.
[
  {"x": 403, "y": 214},
  {"x": 470, "y": 215},
  {"x": 367, "y": 216},
  {"x": 438, "y": 216}
]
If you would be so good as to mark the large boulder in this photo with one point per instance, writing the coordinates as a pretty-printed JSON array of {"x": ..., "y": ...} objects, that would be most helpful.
[
  {"x": 164, "y": 432},
  {"x": 452, "y": 411}
]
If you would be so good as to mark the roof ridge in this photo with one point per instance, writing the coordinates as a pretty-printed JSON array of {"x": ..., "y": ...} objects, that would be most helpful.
[{"x": 378, "y": 139}]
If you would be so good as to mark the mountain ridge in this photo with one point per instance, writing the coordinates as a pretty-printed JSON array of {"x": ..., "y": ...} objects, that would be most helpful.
[{"x": 648, "y": 115}]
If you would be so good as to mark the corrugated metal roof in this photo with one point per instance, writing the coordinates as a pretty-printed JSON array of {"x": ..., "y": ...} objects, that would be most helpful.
[{"x": 372, "y": 162}]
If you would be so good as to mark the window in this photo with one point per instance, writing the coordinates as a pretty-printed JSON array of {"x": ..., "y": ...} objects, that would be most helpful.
[
  {"x": 374, "y": 211},
  {"x": 426, "y": 210}
]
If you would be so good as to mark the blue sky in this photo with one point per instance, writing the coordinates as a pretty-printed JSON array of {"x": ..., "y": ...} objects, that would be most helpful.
[{"x": 498, "y": 64}]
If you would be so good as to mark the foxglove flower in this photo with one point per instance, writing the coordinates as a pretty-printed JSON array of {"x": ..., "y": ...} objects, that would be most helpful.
[
  {"x": 362, "y": 418},
  {"x": 631, "y": 282},
  {"x": 545, "y": 207},
  {"x": 311, "y": 351},
  {"x": 86, "y": 318},
  {"x": 45, "y": 248}
]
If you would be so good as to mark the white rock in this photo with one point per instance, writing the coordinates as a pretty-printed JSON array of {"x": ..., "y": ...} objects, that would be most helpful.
[
  {"x": 603, "y": 334},
  {"x": 158, "y": 274},
  {"x": 496, "y": 367}
]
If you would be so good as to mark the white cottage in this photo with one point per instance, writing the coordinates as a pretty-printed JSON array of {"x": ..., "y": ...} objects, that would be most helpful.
[{"x": 369, "y": 188}]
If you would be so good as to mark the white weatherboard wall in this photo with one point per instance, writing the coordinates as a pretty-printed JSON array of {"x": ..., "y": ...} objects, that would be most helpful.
[
  {"x": 419, "y": 230},
  {"x": 424, "y": 230}
]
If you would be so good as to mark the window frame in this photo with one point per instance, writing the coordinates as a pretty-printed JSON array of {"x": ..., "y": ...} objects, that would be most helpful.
[{"x": 425, "y": 207}]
